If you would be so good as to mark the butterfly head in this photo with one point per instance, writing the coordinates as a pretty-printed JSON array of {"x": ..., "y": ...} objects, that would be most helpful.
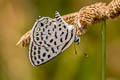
[{"x": 77, "y": 39}]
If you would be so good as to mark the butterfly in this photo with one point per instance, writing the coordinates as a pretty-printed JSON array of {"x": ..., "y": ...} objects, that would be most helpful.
[{"x": 49, "y": 38}]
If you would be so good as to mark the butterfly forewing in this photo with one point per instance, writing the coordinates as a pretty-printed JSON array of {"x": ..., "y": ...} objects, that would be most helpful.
[{"x": 49, "y": 38}]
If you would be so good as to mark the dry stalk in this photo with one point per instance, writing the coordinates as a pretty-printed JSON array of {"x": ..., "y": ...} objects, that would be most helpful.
[{"x": 85, "y": 17}]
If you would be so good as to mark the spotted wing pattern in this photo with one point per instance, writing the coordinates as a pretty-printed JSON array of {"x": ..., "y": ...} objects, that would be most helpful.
[{"x": 49, "y": 38}]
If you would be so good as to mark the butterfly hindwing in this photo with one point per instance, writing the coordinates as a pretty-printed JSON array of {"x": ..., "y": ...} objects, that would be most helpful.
[{"x": 49, "y": 38}]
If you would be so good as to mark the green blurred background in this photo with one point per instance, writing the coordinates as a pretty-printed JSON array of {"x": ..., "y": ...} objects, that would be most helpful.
[{"x": 18, "y": 16}]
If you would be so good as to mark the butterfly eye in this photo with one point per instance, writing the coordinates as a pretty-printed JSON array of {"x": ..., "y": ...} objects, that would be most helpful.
[{"x": 77, "y": 39}]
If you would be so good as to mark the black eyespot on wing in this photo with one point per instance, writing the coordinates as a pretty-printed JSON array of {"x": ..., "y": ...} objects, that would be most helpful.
[
  {"x": 61, "y": 33},
  {"x": 38, "y": 51},
  {"x": 42, "y": 60},
  {"x": 49, "y": 33},
  {"x": 61, "y": 40},
  {"x": 41, "y": 24},
  {"x": 64, "y": 26},
  {"x": 56, "y": 35},
  {"x": 49, "y": 56},
  {"x": 55, "y": 43},
  {"x": 38, "y": 56},
  {"x": 34, "y": 53},
  {"x": 59, "y": 25},
  {"x": 46, "y": 37},
  {"x": 39, "y": 29},
  {"x": 43, "y": 29},
  {"x": 48, "y": 45},
  {"x": 38, "y": 62},
  {"x": 58, "y": 47},
  {"x": 44, "y": 54},
  {"x": 37, "y": 38},
  {"x": 35, "y": 57},
  {"x": 41, "y": 38},
  {"x": 40, "y": 42},
  {"x": 41, "y": 33},
  {"x": 55, "y": 26},
  {"x": 35, "y": 48},
  {"x": 53, "y": 50},
  {"x": 37, "y": 34},
  {"x": 51, "y": 40},
  {"x": 46, "y": 26},
  {"x": 39, "y": 48},
  {"x": 44, "y": 42},
  {"x": 59, "y": 29}
]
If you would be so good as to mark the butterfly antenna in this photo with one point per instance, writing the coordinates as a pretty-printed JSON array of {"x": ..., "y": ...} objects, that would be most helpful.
[
  {"x": 85, "y": 54},
  {"x": 75, "y": 48}
]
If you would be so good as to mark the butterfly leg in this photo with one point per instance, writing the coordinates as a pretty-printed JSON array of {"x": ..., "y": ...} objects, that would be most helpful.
[{"x": 77, "y": 40}]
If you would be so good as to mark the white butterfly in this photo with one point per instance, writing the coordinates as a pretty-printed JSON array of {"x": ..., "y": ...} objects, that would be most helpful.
[{"x": 49, "y": 38}]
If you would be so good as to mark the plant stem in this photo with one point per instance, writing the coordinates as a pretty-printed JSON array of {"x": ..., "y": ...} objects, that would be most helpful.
[{"x": 103, "y": 49}]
